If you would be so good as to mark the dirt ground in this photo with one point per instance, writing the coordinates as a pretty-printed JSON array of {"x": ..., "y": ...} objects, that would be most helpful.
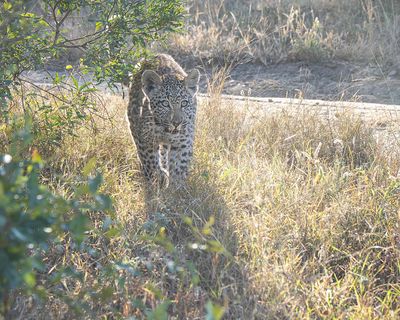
[{"x": 331, "y": 81}]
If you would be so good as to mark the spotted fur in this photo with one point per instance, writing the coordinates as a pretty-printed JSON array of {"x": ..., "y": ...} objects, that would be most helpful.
[{"x": 161, "y": 114}]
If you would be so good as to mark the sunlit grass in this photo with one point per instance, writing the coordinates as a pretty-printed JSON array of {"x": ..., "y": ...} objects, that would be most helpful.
[
  {"x": 311, "y": 30},
  {"x": 299, "y": 215}
]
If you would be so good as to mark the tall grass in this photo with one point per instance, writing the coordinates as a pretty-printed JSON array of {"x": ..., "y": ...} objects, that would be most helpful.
[
  {"x": 292, "y": 217},
  {"x": 277, "y": 30},
  {"x": 314, "y": 205}
]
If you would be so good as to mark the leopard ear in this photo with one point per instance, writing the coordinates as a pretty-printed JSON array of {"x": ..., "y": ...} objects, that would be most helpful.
[
  {"x": 150, "y": 81},
  {"x": 192, "y": 81}
]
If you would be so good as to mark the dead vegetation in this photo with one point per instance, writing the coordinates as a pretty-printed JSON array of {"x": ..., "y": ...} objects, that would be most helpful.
[{"x": 279, "y": 30}]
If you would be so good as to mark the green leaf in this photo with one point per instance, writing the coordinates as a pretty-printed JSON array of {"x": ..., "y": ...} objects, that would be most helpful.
[
  {"x": 57, "y": 79},
  {"x": 215, "y": 246},
  {"x": 75, "y": 81},
  {"x": 187, "y": 220},
  {"x": 195, "y": 278},
  {"x": 3, "y": 220},
  {"x": 7, "y": 6},
  {"x": 78, "y": 225},
  {"x": 99, "y": 25},
  {"x": 36, "y": 158},
  {"x": 18, "y": 235},
  {"x": 103, "y": 202},
  {"x": 68, "y": 67},
  {"x": 94, "y": 183},
  {"x": 29, "y": 279},
  {"x": 214, "y": 311},
  {"x": 207, "y": 227},
  {"x": 113, "y": 232}
]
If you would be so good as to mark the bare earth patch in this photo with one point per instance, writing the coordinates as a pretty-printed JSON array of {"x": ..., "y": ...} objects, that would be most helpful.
[{"x": 335, "y": 80}]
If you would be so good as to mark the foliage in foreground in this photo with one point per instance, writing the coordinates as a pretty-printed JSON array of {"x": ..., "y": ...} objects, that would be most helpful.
[
  {"x": 33, "y": 218},
  {"x": 293, "y": 217}
]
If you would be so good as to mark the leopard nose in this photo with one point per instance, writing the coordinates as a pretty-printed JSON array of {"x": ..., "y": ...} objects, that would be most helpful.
[{"x": 176, "y": 124}]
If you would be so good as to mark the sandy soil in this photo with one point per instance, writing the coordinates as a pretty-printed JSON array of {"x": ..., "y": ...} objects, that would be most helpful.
[{"x": 327, "y": 81}]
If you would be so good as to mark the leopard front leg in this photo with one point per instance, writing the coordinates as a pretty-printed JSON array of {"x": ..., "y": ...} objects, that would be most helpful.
[
  {"x": 164, "y": 151},
  {"x": 149, "y": 159},
  {"x": 180, "y": 156}
]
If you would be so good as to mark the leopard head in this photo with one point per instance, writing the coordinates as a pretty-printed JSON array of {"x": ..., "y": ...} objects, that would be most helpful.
[{"x": 172, "y": 101}]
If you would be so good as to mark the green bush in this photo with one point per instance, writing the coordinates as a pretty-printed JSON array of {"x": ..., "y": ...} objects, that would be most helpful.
[
  {"x": 32, "y": 217},
  {"x": 118, "y": 32}
]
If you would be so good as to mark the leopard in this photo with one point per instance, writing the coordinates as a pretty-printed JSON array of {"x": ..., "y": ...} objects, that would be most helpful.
[{"x": 161, "y": 114}]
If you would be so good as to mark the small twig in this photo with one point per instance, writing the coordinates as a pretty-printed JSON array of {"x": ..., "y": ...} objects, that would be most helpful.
[
  {"x": 42, "y": 89},
  {"x": 81, "y": 46},
  {"x": 65, "y": 17},
  {"x": 97, "y": 35}
]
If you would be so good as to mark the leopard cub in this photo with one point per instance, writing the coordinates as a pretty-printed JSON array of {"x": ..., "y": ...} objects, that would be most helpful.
[{"x": 161, "y": 115}]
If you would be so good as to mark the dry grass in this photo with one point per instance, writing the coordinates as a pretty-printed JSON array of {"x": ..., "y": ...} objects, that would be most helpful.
[
  {"x": 294, "y": 217},
  {"x": 276, "y": 30}
]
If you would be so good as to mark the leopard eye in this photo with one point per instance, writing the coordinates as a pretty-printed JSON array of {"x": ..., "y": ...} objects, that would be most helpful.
[
  {"x": 184, "y": 103},
  {"x": 165, "y": 103}
]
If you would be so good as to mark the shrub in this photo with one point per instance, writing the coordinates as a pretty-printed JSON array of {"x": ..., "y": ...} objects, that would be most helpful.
[{"x": 32, "y": 217}]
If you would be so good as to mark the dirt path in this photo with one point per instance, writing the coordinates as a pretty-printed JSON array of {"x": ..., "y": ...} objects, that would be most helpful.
[
  {"x": 261, "y": 106},
  {"x": 329, "y": 81},
  {"x": 333, "y": 81}
]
